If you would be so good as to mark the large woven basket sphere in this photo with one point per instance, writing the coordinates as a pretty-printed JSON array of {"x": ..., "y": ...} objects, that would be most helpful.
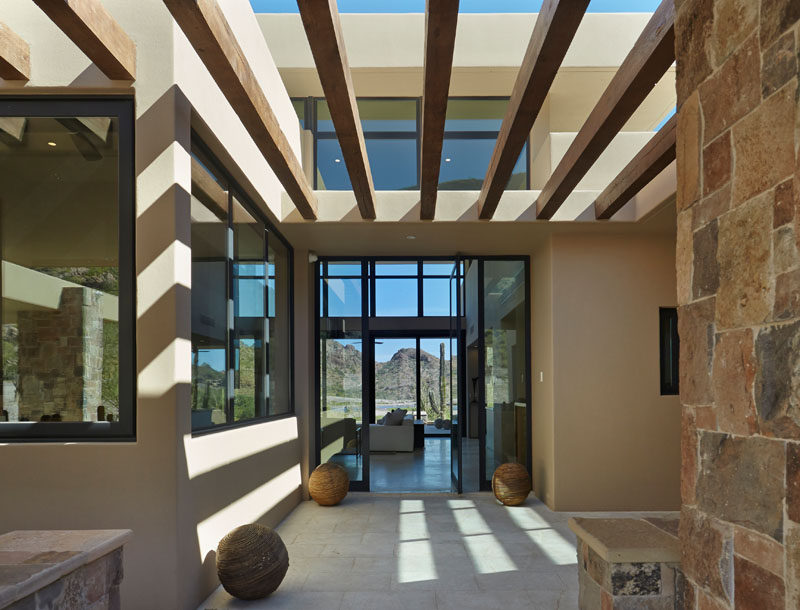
[
  {"x": 511, "y": 484},
  {"x": 251, "y": 561},
  {"x": 328, "y": 484}
]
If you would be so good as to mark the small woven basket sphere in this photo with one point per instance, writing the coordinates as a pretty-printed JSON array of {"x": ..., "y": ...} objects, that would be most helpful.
[
  {"x": 328, "y": 484},
  {"x": 511, "y": 484},
  {"x": 251, "y": 561}
]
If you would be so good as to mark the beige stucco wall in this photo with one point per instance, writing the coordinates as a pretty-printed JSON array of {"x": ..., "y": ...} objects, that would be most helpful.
[
  {"x": 616, "y": 438},
  {"x": 177, "y": 493}
]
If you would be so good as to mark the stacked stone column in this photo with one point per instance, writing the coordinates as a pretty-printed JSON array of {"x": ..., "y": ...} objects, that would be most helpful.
[{"x": 739, "y": 293}]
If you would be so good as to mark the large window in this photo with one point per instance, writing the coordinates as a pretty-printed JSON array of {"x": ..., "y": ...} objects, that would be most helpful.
[
  {"x": 241, "y": 305},
  {"x": 392, "y": 130},
  {"x": 66, "y": 237}
]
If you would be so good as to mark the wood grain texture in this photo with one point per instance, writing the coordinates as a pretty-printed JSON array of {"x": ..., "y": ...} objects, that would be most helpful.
[
  {"x": 651, "y": 56},
  {"x": 15, "y": 55},
  {"x": 95, "y": 32},
  {"x": 441, "y": 19},
  {"x": 656, "y": 155},
  {"x": 553, "y": 33},
  {"x": 324, "y": 32},
  {"x": 209, "y": 33}
]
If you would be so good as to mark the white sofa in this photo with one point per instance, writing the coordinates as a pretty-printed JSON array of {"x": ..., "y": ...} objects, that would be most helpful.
[{"x": 392, "y": 438}]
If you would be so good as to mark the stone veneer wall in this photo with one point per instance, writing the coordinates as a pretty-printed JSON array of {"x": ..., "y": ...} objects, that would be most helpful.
[
  {"x": 61, "y": 358},
  {"x": 739, "y": 295}
]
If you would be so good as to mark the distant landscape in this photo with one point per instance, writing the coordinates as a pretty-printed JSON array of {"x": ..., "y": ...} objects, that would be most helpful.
[{"x": 395, "y": 382}]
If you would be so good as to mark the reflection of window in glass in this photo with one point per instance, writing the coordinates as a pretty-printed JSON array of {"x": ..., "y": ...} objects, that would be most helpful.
[
  {"x": 249, "y": 311},
  {"x": 66, "y": 303},
  {"x": 395, "y": 376},
  {"x": 279, "y": 326},
  {"x": 209, "y": 213},
  {"x": 435, "y": 382},
  {"x": 243, "y": 373}
]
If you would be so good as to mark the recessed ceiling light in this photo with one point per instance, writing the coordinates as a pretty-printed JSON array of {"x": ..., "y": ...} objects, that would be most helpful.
[
  {"x": 337, "y": 160},
  {"x": 411, "y": 237},
  {"x": 51, "y": 143},
  {"x": 447, "y": 160}
]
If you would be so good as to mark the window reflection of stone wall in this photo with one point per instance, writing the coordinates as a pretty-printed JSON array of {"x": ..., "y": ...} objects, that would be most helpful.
[{"x": 61, "y": 359}]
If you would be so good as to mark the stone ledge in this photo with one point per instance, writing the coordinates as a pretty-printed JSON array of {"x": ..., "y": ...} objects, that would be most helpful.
[
  {"x": 627, "y": 540},
  {"x": 33, "y": 559}
]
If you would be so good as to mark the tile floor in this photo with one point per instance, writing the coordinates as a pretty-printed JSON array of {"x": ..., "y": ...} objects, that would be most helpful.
[{"x": 423, "y": 551}]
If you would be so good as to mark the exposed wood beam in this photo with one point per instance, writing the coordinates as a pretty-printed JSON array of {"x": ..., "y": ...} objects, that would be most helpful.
[
  {"x": 324, "y": 33},
  {"x": 656, "y": 155},
  {"x": 651, "y": 56},
  {"x": 95, "y": 32},
  {"x": 209, "y": 33},
  {"x": 441, "y": 19},
  {"x": 15, "y": 55},
  {"x": 554, "y": 30}
]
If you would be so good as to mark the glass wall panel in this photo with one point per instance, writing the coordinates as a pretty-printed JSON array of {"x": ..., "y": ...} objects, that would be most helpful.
[
  {"x": 466, "y": 160},
  {"x": 396, "y": 297},
  {"x": 505, "y": 363},
  {"x": 300, "y": 109},
  {"x": 241, "y": 305},
  {"x": 279, "y": 352},
  {"x": 390, "y": 132},
  {"x": 344, "y": 297},
  {"x": 395, "y": 376},
  {"x": 249, "y": 315},
  {"x": 209, "y": 213},
  {"x": 396, "y": 268},
  {"x": 341, "y": 362},
  {"x": 60, "y": 184},
  {"x": 475, "y": 114},
  {"x": 436, "y": 296},
  {"x": 435, "y": 384}
]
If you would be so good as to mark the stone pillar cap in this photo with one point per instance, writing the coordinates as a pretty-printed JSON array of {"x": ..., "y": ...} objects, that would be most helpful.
[{"x": 627, "y": 540}]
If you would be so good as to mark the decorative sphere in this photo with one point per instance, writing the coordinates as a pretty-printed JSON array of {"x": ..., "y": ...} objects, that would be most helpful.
[
  {"x": 251, "y": 561},
  {"x": 511, "y": 484},
  {"x": 328, "y": 484}
]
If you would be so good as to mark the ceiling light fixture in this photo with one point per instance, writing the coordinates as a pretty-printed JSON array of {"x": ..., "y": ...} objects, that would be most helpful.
[
  {"x": 337, "y": 160},
  {"x": 447, "y": 160},
  {"x": 411, "y": 237},
  {"x": 51, "y": 143}
]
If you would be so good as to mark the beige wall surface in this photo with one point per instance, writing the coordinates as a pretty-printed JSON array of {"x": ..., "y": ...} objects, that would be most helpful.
[
  {"x": 179, "y": 494},
  {"x": 617, "y": 440}
]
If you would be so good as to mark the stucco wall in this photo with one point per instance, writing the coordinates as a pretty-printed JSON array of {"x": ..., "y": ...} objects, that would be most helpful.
[
  {"x": 178, "y": 494},
  {"x": 616, "y": 438}
]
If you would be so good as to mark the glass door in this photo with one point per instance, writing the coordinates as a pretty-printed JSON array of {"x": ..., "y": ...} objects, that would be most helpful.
[{"x": 456, "y": 465}]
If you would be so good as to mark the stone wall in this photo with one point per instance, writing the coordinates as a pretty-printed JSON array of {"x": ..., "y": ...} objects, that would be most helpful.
[
  {"x": 739, "y": 295},
  {"x": 61, "y": 358}
]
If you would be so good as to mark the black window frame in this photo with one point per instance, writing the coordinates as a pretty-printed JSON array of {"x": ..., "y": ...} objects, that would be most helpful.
[
  {"x": 217, "y": 170},
  {"x": 121, "y": 108},
  {"x": 669, "y": 351}
]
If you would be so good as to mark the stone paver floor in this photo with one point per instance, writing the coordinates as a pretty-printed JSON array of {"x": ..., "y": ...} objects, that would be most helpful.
[{"x": 420, "y": 551}]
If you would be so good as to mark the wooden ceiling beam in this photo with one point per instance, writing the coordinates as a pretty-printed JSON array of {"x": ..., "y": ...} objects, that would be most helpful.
[
  {"x": 441, "y": 19},
  {"x": 324, "y": 32},
  {"x": 651, "y": 56},
  {"x": 654, "y": 157},
  {"x": 95, "y": 32},
  {"x": 552, "y": 35},
  {"x": 210, "y": 34},
  {"x": 15, "y": 55}
]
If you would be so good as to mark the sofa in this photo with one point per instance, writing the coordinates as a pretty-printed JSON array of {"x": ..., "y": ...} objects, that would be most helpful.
[{"x": 392, "y": 438}]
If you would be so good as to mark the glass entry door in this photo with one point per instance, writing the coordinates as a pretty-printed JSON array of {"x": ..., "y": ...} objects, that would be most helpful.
[{"x": 456, "y": 462}]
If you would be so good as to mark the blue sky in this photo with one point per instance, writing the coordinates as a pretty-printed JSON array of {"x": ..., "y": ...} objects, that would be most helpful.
[{"x": 467, "y": 6}]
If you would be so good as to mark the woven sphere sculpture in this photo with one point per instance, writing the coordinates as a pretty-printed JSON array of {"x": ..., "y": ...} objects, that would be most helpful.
[
  {"x": 251, "y": 561},
  {"x": 511, "y": 484},
  {"x": 328, "y": 484}
]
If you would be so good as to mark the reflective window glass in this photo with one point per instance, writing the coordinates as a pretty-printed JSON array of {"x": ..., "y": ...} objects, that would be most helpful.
[
  {"x": 475, "y": 114},
  {"x": 396, "y": 297},
  {"x": 395, "y": 268},
  {"x": 436, "y": 296},
  {"x": 466, "y": 160}
]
